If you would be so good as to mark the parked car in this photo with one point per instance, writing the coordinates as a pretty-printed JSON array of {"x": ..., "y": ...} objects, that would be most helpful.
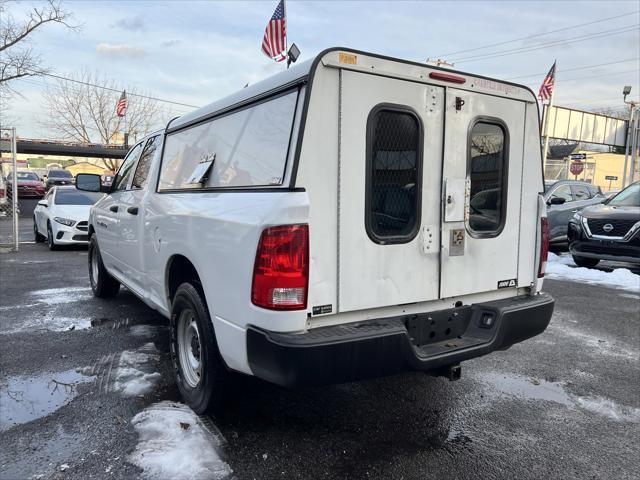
[
  {"x": 564, "y": 198},
  {"x": 29, "y": 184},
  {"x": 58, "y": 177},
  {"x": 607, "y": 232},
  {"x": 61, "y": 218},
  {"x": 305, "y": 230}
]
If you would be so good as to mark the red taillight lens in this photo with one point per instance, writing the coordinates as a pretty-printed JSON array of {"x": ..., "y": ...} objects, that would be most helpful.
[
  {"x": 544, "y": 246},
  {"x": 281, "y": 271}
]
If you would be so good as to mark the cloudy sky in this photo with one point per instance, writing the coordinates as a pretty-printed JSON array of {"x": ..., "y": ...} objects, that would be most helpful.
[{"x": 197, "y": 52}]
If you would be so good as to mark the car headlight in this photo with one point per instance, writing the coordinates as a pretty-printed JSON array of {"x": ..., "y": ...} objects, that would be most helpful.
[
  {"x": 577, "y": 216},
  {"x": 65, "y": 221}
]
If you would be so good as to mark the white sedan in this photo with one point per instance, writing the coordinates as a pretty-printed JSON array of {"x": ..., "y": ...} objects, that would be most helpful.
[{"x": 61, "y": 217}]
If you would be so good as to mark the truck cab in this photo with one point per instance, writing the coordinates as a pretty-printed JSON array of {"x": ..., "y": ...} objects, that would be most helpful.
[{"x": 351, "y": 217}]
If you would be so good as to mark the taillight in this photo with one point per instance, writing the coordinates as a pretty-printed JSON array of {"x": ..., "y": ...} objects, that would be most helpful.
[
  {"x": 544, "y": 246},
  {"x": 281, "y": 271}
]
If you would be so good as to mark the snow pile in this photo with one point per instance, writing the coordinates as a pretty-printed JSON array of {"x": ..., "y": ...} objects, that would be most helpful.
[
  {"x": 173, "y": 443},
  {"x": 562, "y": 267},
  {"x": 131, "y": 379}
]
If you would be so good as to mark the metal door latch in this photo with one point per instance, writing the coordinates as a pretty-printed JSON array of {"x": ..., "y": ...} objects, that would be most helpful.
[{"x": 459, "y": 103}]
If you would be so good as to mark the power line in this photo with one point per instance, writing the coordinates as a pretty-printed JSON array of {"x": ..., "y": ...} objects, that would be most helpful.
[
  {"x": 603, "y": 33},
  {"x": 536, "y": 35},
  {"x": 59, "y": 77},
  {"x": 586, "y": 67}
]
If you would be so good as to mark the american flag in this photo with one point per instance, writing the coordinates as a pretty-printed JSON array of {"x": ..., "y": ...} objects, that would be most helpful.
[
  {"x": 546, "y": 89},
  {"x": 121, "y": 107},
  {"x": 274, "y": 43}
]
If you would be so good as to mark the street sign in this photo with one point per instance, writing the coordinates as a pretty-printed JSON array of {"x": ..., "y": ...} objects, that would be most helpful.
[
  {"x": 611, "y": 177},
  {"x": 578, "y": 156},
  {"x": 576, "y": 167}
]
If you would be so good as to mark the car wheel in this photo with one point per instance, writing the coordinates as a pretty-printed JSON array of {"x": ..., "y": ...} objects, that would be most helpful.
[
  {"x": 201, "y": 374},
  {"x": 103, "y": 284},
  {"x": 586, "y": 262},
  {"x": 37, "y": 236},
  {"x": 51, "y": 242}
]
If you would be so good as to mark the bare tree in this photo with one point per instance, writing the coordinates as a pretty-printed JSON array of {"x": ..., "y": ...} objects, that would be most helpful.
[
  {"x": 83, "y": 109},
  {"x": 17, "y": 58}
]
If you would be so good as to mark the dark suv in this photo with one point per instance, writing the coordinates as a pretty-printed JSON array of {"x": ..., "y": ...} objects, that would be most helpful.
[
  {"x": 59, "y": 177},
  {"x": 610, "y": 231}
]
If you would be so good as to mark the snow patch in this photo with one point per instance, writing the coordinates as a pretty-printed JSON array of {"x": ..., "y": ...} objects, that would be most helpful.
[
  {"x": 52, "y": 324},
  {"x": 174, "y": 443},
  {"x": 57, "y": 296},
  {"x": 601, "y": 344},
  {"x": 132, "y": 375},
  {"x": 562, "y": 267},
  {"x": 609, "y": 408}
]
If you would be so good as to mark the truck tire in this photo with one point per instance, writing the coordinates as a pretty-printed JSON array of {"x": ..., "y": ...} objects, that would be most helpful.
[
  {"x": 201, "y": 373},
  {"x": 585, "y": 261},
  {"x": 103, "y": 284}
]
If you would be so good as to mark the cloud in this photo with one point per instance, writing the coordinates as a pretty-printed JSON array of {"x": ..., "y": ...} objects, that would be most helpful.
[
  {"x": 131, "y": 23},
  {"x": 122, "y": 51},
  {"x": 170, "y": 43}
]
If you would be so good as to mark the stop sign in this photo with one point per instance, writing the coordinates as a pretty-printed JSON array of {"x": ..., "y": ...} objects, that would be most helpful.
[{"x": 576, "y": 167}]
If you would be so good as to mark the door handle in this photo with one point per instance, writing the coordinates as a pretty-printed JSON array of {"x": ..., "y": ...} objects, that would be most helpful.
[
  {"x": 132, "y": 210},
  {"x": 113, "y": 208}
]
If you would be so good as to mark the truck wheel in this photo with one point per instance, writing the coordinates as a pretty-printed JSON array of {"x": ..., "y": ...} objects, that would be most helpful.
[
  {"x": 102, "y": 283},
  {"x": 51, "y": 242},
  {"x": 201, "y": 374},
  {"x": 585, "y": 261},
  {"x": 37, "y": 236}
]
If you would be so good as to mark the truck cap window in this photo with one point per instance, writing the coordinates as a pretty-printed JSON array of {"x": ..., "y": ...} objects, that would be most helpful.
[
  {"x": 394, "y": 164},
  {"x": 250, "y": 147},
  {"x": 488, "y": 174}
]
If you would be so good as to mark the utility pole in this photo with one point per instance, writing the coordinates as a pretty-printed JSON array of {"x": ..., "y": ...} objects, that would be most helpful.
[
  {"x": 439, "y": 63},
  {"x": 632, "y": 134}
]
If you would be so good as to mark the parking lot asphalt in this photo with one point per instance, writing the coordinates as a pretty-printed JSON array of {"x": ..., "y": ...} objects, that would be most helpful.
[{"x": 565, "y": 404}]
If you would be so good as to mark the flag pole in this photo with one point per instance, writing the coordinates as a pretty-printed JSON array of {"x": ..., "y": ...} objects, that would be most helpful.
[{"x": 545, "y": 127}]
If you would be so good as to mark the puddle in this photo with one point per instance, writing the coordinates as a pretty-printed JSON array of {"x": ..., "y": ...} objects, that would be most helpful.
[
  {"x": 111, "y": 323},
  {"x": 146, "y": 330},
  {"x": 529, "y": 388},
  {"x": 23, "y": 399}
]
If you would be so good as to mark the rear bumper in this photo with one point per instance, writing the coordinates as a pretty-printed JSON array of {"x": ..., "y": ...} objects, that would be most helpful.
[{"x": 345, "y": 353}]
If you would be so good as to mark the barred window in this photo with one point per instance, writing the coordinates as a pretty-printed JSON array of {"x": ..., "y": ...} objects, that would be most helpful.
[
  {"x": 487, "y": 173},
  {"x": 394, "y": 170}
]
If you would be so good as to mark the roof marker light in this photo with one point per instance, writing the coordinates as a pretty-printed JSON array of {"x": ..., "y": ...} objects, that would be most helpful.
[{"x": 447, "y": 77}]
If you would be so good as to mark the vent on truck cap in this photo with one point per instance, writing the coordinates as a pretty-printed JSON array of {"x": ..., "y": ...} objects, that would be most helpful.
[{"x": 281, "y": 270}]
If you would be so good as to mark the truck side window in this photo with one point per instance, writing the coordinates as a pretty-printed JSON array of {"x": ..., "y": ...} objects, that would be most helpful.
[
  {"x": 142, "y": 170},
  {"x": 126, "y": 169},
  {"x": 487, "y": 173},
  {"x": 394, "y": 174}
]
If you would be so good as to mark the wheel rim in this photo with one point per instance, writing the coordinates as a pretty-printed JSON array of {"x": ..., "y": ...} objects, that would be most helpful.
[
  {"x": 94, "y": 265},
  {"x": 189, "y": 348}
]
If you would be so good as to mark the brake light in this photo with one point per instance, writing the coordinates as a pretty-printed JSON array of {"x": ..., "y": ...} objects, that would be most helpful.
[
  {"x": 281, "y": 270},
  {"x": 544, "y": 246},
  {"x": 447, "y": 77}
]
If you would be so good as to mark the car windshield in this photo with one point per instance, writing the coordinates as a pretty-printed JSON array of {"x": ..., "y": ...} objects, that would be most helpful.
[
  {"x": 76, "y": 197},
  {"x": 60, "y": 174},
  {"x": 25, "y": 176},
  {"x": 629, "y": 197}
]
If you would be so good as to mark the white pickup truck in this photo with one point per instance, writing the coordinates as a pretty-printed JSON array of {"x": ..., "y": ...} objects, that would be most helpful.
[{"x": 351, "y": 217}]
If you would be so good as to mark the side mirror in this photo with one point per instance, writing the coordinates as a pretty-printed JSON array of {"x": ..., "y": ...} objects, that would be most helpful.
[
  {"x": 88, "y": 182},
  {"x": 43, "y": 203},
  {"x": 556, "y": 201}
]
